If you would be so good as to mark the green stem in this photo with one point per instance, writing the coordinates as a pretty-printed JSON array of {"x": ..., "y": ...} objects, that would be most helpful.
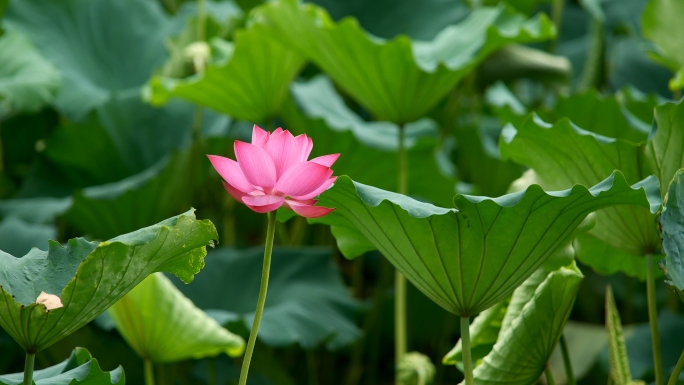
[
  {"x": 566, "y": 361},
  {"x": 2, "y": 160},
  {"x": 557, "y": 17},
  {"x": 311, "y": 366},
  {"x": 262, "y": 297},
  {"x": 400, "y": 339},
  {"x": 149, "y": 372},
  {"x": 653, "y": 319},
  {"x": 465, "y": 347},
  {"x": 201, "y": 20},
  {"x": 549, "y": 376},
  {"x": 28, "y": 368},
  {"x": 678, "y": 369}
]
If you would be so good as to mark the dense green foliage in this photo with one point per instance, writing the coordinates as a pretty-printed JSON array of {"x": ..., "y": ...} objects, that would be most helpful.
[{"x": 511, "y": 158}]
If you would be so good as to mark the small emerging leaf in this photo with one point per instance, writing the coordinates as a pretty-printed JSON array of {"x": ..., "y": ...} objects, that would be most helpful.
[{"x": 619, "y": 364}]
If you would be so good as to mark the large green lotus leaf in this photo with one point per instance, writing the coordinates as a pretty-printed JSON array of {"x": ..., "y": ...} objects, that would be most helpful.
[
  {"x": 249, "y": 86},
  {"x": 134, "y": 202},
  {"x": 91, "y": 276},
  {"x": 533, "y": 323},
  {"x": 369, "y": 149},
  {"x": 664, "y": 153},
  {"x": 79, "y": 368},
  {"x": 672, "y": 225},
  {"x": 307, "y": 301},
  {"x": 470, "y": 258},
  {"x": 562, "y": 155},
  {"x": 27, "y": 80},
  {"x": 661, "y": 23},
  {"x": 163, "y": 325},
  {"x": 101, "y": 47},
  {"x": 17, "y": 237},
  {"x": 397, "y": 80}
]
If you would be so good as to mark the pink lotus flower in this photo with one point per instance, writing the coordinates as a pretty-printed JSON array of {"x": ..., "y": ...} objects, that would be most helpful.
[{"x": 273, "y": 171}]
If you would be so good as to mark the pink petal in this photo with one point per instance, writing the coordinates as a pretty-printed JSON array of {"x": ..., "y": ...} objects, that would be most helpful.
[
  {"x": 231, "y": 172},
  {"x": 309, "y": 211},
  {"x": 317, "y": 191},
  {"x": 263, "y": 203},
  {"x": 285, "y": 151},
  {"x": 309, "y": 147},
  {"x": 303, "y": 178},
  {"x": 326, "y": 160},
  {"x": 256, "y": 165},
  {"x": 235, "y": 193},
  {"x": 259, "y": 136},
  {"x": 303, "y": 143},
  {"x": 277, "y": 130}
]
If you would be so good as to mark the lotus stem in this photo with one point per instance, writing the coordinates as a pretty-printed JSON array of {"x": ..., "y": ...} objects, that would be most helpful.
[
  {"x": 400, "y": 338},
  {"x": 28, "y": 368},
  {"x": 549, "y": 376},
  {"x": 467, "y": 357},
  {"x": 566, "y": 361},
  {"x": 653, "y": 319},
  {"x": 557, "y": 17},
  {"x": 678, "y": 369},
  {"x": 311, "y": 367},
  {"x": 268, "y": 251},
  {"x": 149, "y": 371}
]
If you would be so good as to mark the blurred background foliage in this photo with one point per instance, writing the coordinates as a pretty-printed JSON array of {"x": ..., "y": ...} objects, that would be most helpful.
[{"x": 107, "y": 108}]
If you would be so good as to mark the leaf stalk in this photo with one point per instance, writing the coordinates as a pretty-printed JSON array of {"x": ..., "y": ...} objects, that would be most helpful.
[
  {"x": 28, "y": 368},
  {"x": 467, "y": 357},
  {"x": 567, "y": 364},
  {"x": 400, "y": 338},
  {"x": 149, "y": 371},
  {"x": 677, "y": 369}
]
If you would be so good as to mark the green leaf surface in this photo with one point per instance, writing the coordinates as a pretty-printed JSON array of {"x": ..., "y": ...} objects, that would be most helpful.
[
  {"x": 27, "y": 80},
  {"x": 661, "y": 23},
  {"x": 470, "y": 258},
  {"x": 533, "y": 324},
  {"x": 608, "y": 260},
  {"x": 672, "y": 225},
  {"x": 42, "y": 210},
  {"x": 134, "y": 202},
  {"x": 163, "y": 325},
  {"x": 617, "y": 351},
  {"x": 17, "y": 237},
  {"x": 369, "y": 150},
  {"x": 563, "y": 154},
  {"x": 248, "y": 86},
  {"x": 307, "y": 301},
  {"x": 102, "y": 48},
  {"x": 79, "y": 368},
  {"x": 90, "y": 276},
  {"x": 397, "y": 80},
  {"x": 664, "y": 153}
]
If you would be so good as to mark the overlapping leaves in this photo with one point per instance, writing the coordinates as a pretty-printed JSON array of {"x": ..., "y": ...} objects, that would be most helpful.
[
  {"x": 470, "y": 258},
  {"x": 79, "y": 368},
  {"x": 533, "y": 323},
  {"x": 563, "y": 154},
  {"x": 249, "y": 85},
  {"x": 397, "y": 80},
  {"x": 162, "y": 325},
  {"x": 90, "y": 276},
  {"x": 661, "y": 24},
  {"x": 370, "y": 149}
]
